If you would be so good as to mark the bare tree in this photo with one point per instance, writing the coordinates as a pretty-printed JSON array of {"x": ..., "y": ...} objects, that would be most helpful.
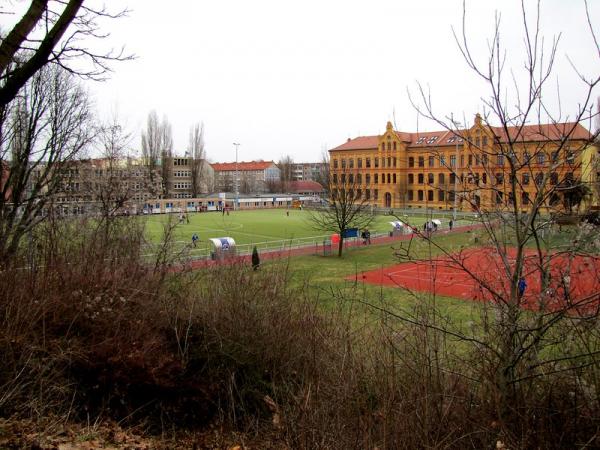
[
  {"x": 157, "y": 148},
  {"x": 348, "y": 208},
  {"x": 509, "y": 156},
  {"x": 166, "y": 155},
  {"x": 286, "y": 170},
  {"x": 198, "y": 156},
  {"x": 41, "y": 131},
  {"x": 323, "y": 175},
  {"x": 52, "y": 32}
]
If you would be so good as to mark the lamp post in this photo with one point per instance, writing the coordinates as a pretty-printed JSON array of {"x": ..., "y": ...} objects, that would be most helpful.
[{"x": 237, "y": 180}]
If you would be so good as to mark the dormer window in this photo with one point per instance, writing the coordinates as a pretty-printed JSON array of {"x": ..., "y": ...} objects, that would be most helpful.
[
  {"x": 432, "y": 139},
  {"x": 421, "y": 140}
]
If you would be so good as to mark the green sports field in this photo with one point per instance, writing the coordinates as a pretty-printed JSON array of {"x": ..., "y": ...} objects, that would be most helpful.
[{"x": 250, "y": 227}]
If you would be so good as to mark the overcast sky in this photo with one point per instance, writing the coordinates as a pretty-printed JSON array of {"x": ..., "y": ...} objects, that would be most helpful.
[{"x": 296, "y": 77}]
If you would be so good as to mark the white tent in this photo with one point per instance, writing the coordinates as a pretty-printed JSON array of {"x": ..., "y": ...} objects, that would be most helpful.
[
  {"x": 437, "y": 221},
  {"x": 397, "y": 224}
]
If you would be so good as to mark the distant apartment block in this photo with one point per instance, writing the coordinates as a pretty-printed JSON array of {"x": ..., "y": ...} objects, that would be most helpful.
[
  {"x": 309, "y": 171},
  {"x": 252, "y": 177},
  {"x": 181, "y": 177}
]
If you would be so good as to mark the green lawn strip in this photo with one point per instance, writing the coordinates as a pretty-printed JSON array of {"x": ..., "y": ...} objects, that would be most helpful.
[{"x": 249, "y": 227}]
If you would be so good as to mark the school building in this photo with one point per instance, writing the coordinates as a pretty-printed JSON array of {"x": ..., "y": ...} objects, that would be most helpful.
[{"x": 469, "y": 169}]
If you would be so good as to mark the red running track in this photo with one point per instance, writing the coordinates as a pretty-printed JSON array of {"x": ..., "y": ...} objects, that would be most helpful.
[{"x": 449, "y": 276}]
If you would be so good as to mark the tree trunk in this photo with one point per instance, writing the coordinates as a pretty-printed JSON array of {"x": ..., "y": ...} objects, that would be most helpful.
[{"x": 340, "y": 246}]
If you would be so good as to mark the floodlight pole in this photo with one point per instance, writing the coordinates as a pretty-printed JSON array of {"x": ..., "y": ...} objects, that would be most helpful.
[{"x": 237, "y": 179}]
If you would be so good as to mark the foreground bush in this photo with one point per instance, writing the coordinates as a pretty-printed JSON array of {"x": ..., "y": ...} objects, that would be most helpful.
[{"x": 90, "y": 329}]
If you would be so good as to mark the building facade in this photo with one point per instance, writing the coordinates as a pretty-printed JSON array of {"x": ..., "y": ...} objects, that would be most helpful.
[
  {"x": 468, "y": 169},
  {"x": 309, "y": 171},
  {"x": 252, "y": 177},
  {"x": 188, "y": 178}
]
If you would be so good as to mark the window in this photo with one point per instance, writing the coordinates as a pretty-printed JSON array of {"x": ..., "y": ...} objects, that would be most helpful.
[
  {"x": 394, "y": 179},
  {"x": 389, "y": 146},
  {"x": 367, "y": 194},
  {"x": 500, "y": 159},
  {"x": 421, "y": 140},
  {"x": 476, "y": 179},
  {"x": 351, "y": 178},
  {"x": 343, "y": 163},
  {"x": 389, "y": 161},
  {"x": 499, "y": 196},
  {"x": 430, "y": 178},
  {"x": 383, "y": 162},
  {"x": 368, "y": 163},
  {"x": 555, "y": 156},
  {"x": 442, "y": 161},
  {"x": 376, "y": 179},
  {"x": 420, "y": 195},
  {"x": 431, "y": 161},
  {"x": 430, "y": 195},
  {"x": 359, "y": 178},
  {"x": 441, "y": 178},
  {"x": 539, "y": 177},
  {"x": 420, "y": 178},
  {"x": 452, "y": 160},
  {"x": 484, "y": 160},
  {"x": 395, "y": 161},
  {"x": 375, "y": 194},
  {"x": 388, "y": 178},
  {"x": 541, "y": 158},
  {"x": 452, "y": 178},
  {"x": 484, "y": 141},
  {"x": 525, "y": 179},
  {"x": 411, "y": 178},
  {"x": 525, "y": 198},
  {"x": 410, "y": 195},
  {"x": 462, "y": 160},
  {"x": 499, "y": 179},
  {"x": 394, "y": 145},
  {"x": 477, "y": 141},
  {"x": 411, "y": 162},
  {"x": 383, "y": 146},
  {"x": 421, "y": 161},
  {"x": 569, "y": 179},
  {"x": 441, "y": 196},
  {"x": 526, "y": 157},
  {"x": 376, "y": 162},
  {"x": 368, "y": 178},
  {"x": 553, "y": 178},
  {"x": 570, "y": 156},
  {"x": 335, "y": 178},
  {"x": 359, "y": 163},
  {"x": 470, "y": 160},
  {"x": 343, "y": 178},
  {"x": 358, "y": 194},
  {"x": 335, "y": 163},
  {"x": 451, "y": 196},
  {"x": 351, "y": 163}
]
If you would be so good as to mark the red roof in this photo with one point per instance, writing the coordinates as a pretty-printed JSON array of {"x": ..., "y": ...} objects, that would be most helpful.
[
  {"x": 540, "y": 132},
  {"x": 242, "y": 166},
  {"x": 305, "y": 186}
]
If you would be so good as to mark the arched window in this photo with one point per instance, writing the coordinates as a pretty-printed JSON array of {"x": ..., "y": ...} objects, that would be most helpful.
[
  {"x": 411, "y": 178},
  {"x": 441, "y": 178},
  {"x": 411, "y": 162}
]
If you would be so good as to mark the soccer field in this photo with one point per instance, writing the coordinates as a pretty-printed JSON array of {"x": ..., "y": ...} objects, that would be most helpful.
[{"x": 250, "y": 227}]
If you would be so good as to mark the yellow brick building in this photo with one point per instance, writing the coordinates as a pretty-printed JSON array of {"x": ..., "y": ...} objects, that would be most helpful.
[{"x": 470, "y": 168}]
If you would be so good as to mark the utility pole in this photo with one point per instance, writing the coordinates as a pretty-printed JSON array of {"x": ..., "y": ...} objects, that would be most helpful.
[{"x": 237, "y": 179}]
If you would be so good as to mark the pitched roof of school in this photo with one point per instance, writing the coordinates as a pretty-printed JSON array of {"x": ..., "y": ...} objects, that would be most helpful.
[
  {"x": 242, "y": 166},
  {"x": 527, "y": 133}
]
